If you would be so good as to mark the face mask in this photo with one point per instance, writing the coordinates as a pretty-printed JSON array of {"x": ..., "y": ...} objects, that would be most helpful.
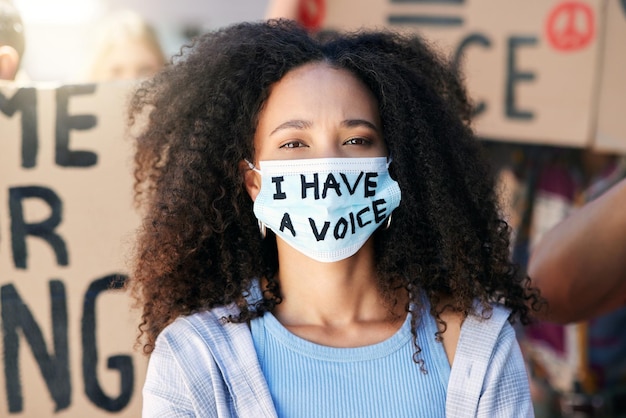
[{"x": 325, "y": 208}]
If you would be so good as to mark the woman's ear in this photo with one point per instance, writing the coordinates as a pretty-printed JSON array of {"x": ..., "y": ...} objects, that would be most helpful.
[{"x": 251, "y": 179}]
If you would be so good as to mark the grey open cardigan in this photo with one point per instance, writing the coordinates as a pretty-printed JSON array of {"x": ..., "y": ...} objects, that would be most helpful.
[{"x": 203, "y": 366}]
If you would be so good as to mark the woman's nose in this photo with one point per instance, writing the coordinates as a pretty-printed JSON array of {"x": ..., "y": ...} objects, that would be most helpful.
[{"x": 329, "y": 146}]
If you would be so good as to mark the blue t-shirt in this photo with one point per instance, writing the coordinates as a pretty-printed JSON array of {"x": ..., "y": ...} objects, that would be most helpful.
[{"x": 380, "y": 380}]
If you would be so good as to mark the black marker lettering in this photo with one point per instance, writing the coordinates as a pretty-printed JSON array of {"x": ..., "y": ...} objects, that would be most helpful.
[
  {"x": 370, "y": 185},
  {"x": 352, "y": 227},
  {"x": 474, "y": 38},
  {"x": 279, "y": 195},
  {"x": 44, "y": 229},
  {"x": 330, "y": 183},
  {"x": 379, "y": 214},
  {"x": 319, "y": 235},
  {"x": 341, "y": 228},
  {"x": 314, "y": 185},
  {"x": 123, "y": 364},
  {"x": 286, "y": 223},
  {"x": 351, "y": 190},
  {"x": 26, "y": 101},
  {"x": 514, "y": 76},
  {"x": 359, "y": 216},
  {"x": 55, "y": 366},
  {"x": 66, "y": 122}
]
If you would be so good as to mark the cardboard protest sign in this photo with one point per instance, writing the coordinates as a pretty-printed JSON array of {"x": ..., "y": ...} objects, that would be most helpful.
[
  {"x": 66, "y": 230},
  {"x": 531, "y": 65},
  {"x": 611, "y": 133}
]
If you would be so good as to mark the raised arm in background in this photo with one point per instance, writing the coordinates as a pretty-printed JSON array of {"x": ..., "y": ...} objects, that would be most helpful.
[{"x": 580, "y": 265}]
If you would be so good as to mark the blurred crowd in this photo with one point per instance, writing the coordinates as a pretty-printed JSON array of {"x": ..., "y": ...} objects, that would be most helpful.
[
  {"x": 123, "y": 46},
  {"x": 565, "y": 207}
]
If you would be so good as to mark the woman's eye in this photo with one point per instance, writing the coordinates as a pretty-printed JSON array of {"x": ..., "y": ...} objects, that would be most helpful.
[
  {"x": 357, "y": 141},
  {"x": 292, "y": 144}
]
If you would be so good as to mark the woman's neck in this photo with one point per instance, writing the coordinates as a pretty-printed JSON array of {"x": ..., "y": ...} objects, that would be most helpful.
[{"x": 334, "y": 302}]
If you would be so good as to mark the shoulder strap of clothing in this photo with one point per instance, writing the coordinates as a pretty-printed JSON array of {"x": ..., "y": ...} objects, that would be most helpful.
[
  {"x": 233, "y": 350},
  {"x": 473, "y": 354}
]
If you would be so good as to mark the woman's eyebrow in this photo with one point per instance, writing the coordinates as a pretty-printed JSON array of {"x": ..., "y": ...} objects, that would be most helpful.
[
  {"x": 354, "y": 123},
  {"x": 292, "y": 124}
]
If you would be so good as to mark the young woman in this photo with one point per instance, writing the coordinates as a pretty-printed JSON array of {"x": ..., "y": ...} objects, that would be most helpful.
[{"x": 321, "y": 236}]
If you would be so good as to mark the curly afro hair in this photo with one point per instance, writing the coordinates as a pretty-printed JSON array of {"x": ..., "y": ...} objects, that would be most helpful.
[{"x": 200, "y": 247}]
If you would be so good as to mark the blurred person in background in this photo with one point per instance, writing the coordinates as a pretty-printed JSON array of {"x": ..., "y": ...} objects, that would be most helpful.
[
  {"x": 126, "y": 48},
  {"x": 580, "y": 267},
  {"x": 285, "y": 9},
  {"x": 308, "y": 13},
  {"x": 11, "y": 41}
]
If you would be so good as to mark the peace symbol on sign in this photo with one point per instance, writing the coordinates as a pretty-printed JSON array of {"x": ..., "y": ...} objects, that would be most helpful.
[
  {"x": 311, "y": 13},
  {"x": 570, "y": 26}
]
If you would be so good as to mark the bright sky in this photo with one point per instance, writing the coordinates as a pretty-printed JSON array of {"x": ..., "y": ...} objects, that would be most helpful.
[{"x": 59, "y": 11}]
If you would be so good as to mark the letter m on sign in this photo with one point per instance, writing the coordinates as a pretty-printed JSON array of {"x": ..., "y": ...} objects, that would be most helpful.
[{"x": 25, "y": 101}]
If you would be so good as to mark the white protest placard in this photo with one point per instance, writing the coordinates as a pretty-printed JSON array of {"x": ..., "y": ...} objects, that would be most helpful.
[
  {"x": 531, "y": 65},
  {"x": 66, "y": 228},
  {"x": 611, "y": 133}
]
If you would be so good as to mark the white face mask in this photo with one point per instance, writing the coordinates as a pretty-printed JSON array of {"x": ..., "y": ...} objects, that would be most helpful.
[{"x": 326, "y": 208}]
